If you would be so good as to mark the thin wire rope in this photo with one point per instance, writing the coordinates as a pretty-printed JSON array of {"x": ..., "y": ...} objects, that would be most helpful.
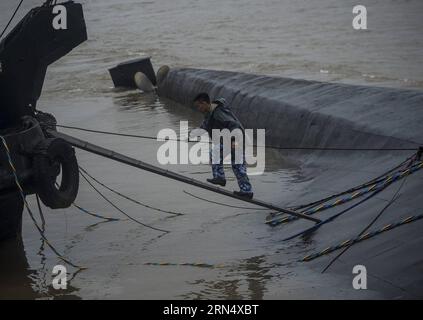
[
  {"x": 223, "y": 204},
  {"x": 11, "y": 19},
  {"x": 117, "y": 208},
  {"x": 91, "y": 213},
  {"x": 128, "y": 198},
  {"x": 43, "y": 221},
  {"x": 268, "y": 147}
]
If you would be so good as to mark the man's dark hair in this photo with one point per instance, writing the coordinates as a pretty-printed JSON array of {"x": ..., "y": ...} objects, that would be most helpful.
[{"x": 202, "y": 97}]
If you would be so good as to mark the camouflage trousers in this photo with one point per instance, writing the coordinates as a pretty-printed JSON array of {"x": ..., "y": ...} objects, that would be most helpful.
[{"x": 239, "y": 169}]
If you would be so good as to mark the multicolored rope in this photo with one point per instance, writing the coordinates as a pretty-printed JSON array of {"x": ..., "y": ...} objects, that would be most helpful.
[
  {"x": 377, "y": 185},
  {"x": 361, "y": 238},
  {"x": 408, "y": 161}
]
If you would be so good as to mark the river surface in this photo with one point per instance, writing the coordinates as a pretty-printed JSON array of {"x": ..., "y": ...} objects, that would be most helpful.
[{"x": 212, "y": 251}]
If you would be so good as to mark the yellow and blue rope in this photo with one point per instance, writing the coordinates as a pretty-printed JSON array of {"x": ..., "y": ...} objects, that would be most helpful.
[
  {"x": 365, "y": 236},
  {"x": 378, "y": 185}
]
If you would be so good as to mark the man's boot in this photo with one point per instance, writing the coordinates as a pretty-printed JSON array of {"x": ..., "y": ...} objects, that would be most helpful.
[
  {"x": 248, "y": 195},
  {"x": 218, "y": 180}
]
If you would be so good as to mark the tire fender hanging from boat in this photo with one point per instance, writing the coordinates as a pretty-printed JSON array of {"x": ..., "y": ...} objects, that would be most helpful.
[{"x": 52, "y": 157}]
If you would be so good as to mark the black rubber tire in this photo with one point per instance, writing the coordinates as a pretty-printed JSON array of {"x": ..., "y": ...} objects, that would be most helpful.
[{"x": 51, "y": 153}]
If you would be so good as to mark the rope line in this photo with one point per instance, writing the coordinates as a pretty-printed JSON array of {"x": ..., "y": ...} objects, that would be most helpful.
[
  {"x": 381, "y": 188},
  {"x": 94, "y": 214},
  {"x": 11, "y": 18},
  {"x": 129, "y": 198},
  {"x": 314, "y": 203},
  {"x": 223, "y": 204},
  {"x": 268, "y": 147},
  {"x": 189, "y": 264},
  {"x": 112, "y": 133},
  {"x": 40, "y": 211},
  {"x": 365, "y": 236},
  {"x": 380, "y": 183},
  {"x": 117, "y": 208},
  {"x": 393, "y": 199},
  {"x": 91, "y": 213}
]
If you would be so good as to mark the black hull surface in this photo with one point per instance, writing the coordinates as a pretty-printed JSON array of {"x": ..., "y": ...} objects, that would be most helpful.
[{"x": 11, "y": 216}]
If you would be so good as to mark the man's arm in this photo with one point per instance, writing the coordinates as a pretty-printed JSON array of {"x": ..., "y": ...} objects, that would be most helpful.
[
  {"x": 227, "y": 120},
  {"x": 201, "y": 130},
  {"x": 205, "y": 123}
]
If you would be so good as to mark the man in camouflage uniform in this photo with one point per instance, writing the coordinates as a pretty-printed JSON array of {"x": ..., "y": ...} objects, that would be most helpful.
[{"x": 219, "y": 116}]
